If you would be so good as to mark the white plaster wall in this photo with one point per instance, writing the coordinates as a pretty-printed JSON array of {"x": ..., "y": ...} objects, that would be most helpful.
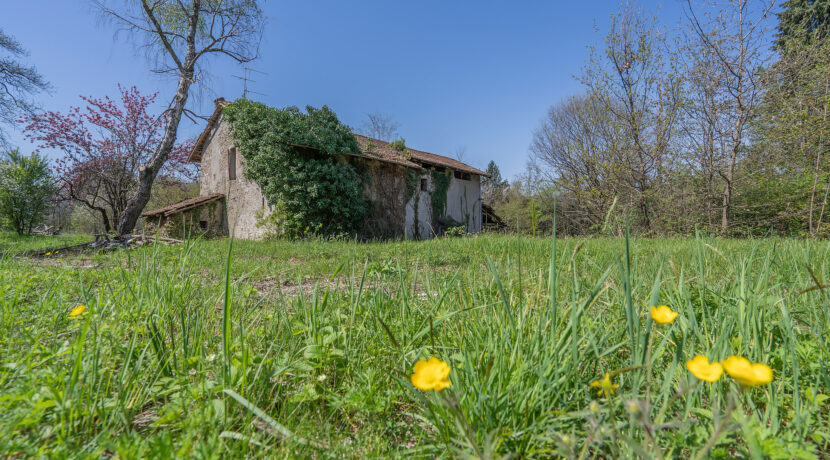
[
  {"x": 243, "y": 198},
  {"x": 424, "y": 220},
  {"x": 464, "y": 202},
  {"x": 463, "y": 205}
]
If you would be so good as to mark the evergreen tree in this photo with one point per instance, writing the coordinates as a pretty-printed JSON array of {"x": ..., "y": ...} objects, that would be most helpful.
[
  {"x": 807, "y": 20},
  {"x": 492, "y": 188}
]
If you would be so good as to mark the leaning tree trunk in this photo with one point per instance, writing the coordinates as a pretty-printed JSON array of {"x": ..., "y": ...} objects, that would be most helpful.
[{"x": 147, "y": 173}]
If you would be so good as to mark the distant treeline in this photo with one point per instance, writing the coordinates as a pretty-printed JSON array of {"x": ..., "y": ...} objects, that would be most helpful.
[{"x": 721, "y": 125}]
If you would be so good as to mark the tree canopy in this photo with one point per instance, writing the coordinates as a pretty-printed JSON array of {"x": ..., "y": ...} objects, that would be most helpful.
[
  {"x": 18, "y": 82},
  {"x": 25, "y": 190}
]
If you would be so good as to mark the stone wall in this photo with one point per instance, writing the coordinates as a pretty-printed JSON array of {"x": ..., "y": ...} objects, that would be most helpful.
[
  {"x": 384, "y": 187},
  {"x": 245, "y": 202},
  {"x": 204, "y": 221},
  {"x": 391, "y": 215},
  {"x": 463, "y": 206},
  {"x": 419, "y": 208}
]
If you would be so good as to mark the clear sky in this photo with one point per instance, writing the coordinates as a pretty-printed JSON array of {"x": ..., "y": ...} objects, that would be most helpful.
[{"x": 477, "y": 75}]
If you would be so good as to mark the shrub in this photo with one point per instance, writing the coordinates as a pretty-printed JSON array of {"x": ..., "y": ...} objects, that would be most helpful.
[
  {"x": 25, "y": 190},
  {"x": 292, "y": 156}
]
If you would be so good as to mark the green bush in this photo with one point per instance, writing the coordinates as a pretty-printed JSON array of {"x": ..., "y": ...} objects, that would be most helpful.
[
  {"x": 26, "y": 186},
  {"x": 291, "y": 155}
]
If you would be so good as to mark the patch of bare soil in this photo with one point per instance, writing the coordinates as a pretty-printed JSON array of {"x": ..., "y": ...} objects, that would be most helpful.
[
  {"x": 56, "y": 261},
  {"x": 307, "y": 287}
]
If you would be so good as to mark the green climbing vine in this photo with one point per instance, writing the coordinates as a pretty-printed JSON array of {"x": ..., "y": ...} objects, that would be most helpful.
[
  {"x": 291, "y": 155},
  {"x": 413, "y": 180},
  {"x": 440, "y": 184}
]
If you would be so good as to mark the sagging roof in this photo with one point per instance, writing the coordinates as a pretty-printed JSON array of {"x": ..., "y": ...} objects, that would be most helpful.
[
  {"x": 182, "y": 206},
  {"x": 370, "y": 148},
  {"x": 417, "y": 156},
  {"x": 378, "y": 150}
]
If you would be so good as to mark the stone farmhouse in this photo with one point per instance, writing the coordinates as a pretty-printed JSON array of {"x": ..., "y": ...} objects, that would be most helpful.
[{"x": 400, "y": 191}]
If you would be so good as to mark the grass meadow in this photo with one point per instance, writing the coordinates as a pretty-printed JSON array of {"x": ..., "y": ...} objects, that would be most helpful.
[{"x": 280, "y": 349}]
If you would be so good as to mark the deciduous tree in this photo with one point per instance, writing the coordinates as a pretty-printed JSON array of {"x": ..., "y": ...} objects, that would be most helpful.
[
  {"x": 636, "y": 85},
  {"x": 380, "y": 126},
  {"x": 105, "y": 145},
  {"x": 733, "y": 35},
  {"x": 25, "y": 190},
  {"x": 18, "y": 82},
  {"x": 182, "y": 35}
]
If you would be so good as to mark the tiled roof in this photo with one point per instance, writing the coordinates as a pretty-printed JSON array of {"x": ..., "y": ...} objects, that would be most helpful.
[
  {"x": 415, "y": 156},
  {"x": 374, "y": 148},
  {"x": 196, "y": 152},
  {"x": 379, "y": 150},
  {"x": 182, "y": 206}
]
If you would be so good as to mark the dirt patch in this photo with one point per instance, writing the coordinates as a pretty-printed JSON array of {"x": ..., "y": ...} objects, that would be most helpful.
[
  {"x": 274, "y": 287},
  {"x": 306, "y": 287},
  {"x": 71, "y": 262}
]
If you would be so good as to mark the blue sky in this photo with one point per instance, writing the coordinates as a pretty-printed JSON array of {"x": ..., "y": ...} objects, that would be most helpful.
[{"x": 455, "y": 74}]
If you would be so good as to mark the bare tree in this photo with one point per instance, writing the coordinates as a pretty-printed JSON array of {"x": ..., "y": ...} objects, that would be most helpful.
[
  {"x": 635, "y": 82},
  {"x": 381, "y": 127},
  {"x": 704, "y": 128},
  {"x": 17, "y": 83},
  {"x": 734, "y": 35},
  {"x": 460, "y": 153},
  {"x": 182, "y": 35},
  {"x": 579, "y": 148}
]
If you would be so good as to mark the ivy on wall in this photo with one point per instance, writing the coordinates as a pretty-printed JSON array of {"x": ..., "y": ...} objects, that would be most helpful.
[
  {"x": 440, "y": 184},
  {"x": 413, "y": 189},
  {"x": 291, "y": 155}
]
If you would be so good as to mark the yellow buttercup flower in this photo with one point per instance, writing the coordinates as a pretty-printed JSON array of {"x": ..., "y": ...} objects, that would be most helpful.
[
  {"x": 663, "y": 314},
  {"x": 746, "y": 373},
  {"x": 700, "y": 367},
  {"x": 77, "y": 310},
  {"x": 48, "y": 254},
  {"x": 431, "y": 375},
  {"x": 605, "y": 386}
]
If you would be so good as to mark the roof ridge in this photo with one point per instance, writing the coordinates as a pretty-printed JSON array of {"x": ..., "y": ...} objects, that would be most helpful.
[{"x": 447, "y": 161}]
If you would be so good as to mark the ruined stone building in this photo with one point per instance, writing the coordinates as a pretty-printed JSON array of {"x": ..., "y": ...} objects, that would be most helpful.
[{"x": 401, "y": 191}]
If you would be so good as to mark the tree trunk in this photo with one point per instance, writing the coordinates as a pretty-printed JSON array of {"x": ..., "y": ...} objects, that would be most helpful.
[
  {"x": 147, "y": 173},
  {"x": 105, "y": 219},
  {"x": 730, "y": 177}
]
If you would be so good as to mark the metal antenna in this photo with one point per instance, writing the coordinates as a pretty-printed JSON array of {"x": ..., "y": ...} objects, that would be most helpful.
[{"x": 245, "y": 79}]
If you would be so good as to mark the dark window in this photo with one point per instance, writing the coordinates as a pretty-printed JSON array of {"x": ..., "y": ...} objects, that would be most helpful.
[
  {"x": 232, "y": 164},
  {"x": 462, "y": 175},
  {"x": 423, "y": 185},
  {"x": 203, "y": 224}
]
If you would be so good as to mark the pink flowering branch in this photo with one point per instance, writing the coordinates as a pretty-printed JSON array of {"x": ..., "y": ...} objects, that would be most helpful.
[{"x": 105, "y": 144}]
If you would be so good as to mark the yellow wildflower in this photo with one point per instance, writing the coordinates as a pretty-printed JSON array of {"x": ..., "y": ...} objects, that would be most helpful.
[
  {"x": 77, "y": 310},
  {"x": 700, "y": 367},
  {"x": 431, "y": 375},
  {"x": 48, "y": 254},
  {"x": 746, "y": 373},
  {"x": 663, "y": 314},
  {"x": 605, "y": 386}
]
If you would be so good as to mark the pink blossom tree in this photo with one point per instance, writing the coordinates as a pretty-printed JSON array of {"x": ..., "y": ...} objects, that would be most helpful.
[{"x": 105, "y": 145}]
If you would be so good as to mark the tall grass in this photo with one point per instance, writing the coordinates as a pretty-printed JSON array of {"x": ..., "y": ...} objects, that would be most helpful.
[{"x": 278, "y": 349}]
